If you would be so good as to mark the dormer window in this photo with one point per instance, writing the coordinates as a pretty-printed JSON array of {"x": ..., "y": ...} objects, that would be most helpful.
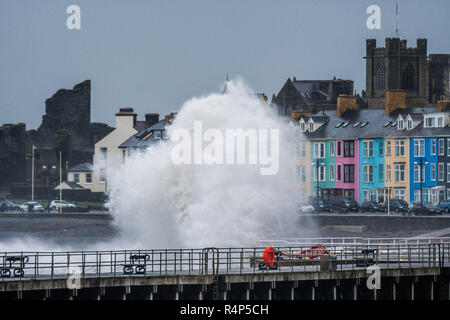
[
  {"x": 311, "y": 127},
  {"x": 302, "y": 127},
  {"x": 436, "y": 121},
  {"x": 409, "y": 124},
  {"x": 400, "y": 122},
  {"x": 429, "y": 122},
  {"x": 158, "y": 134}
]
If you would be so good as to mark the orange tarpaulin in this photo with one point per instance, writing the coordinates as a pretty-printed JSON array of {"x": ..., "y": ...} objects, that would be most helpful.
[{"x": 269, "y": 256}]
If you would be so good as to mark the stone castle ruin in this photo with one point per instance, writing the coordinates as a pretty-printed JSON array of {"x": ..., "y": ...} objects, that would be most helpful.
[{"x": 66, "y": 127}]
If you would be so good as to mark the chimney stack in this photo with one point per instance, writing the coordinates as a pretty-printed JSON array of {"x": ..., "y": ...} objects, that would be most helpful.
[
  {"x": 344, "y": 103},
  {"x": 151, "y": 118},
  {"x": 295, "y": 115},
  {"x": 395, "y": 99},
  {"x": 126, "y": 117},
  {"x": 262, "y": 96},
  {"x": 169, "y": 118},
  {"x": 442, "y": 105}
]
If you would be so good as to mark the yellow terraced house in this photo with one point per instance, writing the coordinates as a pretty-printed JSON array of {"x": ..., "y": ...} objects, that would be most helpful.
[
  {"x": 302, "y": 154},
  {"x": 397, "y": 167}
]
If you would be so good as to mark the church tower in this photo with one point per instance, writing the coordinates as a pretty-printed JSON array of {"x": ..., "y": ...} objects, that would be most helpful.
[{"x": 396, "y": 67}]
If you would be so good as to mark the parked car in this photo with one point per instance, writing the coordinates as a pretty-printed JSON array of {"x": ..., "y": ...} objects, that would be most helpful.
[
  {"x": 428, "y": 208},
  {"x": 305, "y": 208},
  {"x": 396, "y": 205},
  {"x": 32, "y": 206},
  {"x": 55, "y": 204},
  {"x": 7, "y": 206},
  {"x": 445, "y": 206},
  {"x": 371, "y": 206},
  {"x": 319, "y": 204},
  {"x": 341, "y": 204},
  {"x": 351, "y": 204},
  {"x": 414, "y": 207}
]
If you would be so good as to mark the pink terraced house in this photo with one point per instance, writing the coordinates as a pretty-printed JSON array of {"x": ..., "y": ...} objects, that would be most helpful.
[{"x": 347, "y": 168}]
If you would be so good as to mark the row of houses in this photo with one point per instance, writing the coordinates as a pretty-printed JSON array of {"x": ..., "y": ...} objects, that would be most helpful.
[
  {"x": 368, "y": 154},
  {"x": 364, "y": 154}
]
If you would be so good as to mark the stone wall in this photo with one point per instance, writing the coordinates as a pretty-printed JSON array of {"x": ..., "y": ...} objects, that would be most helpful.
[
  {"x": 339, "y": 87},
  {"x": 68, "y": 110},
  {"x": 439, "y": 71},
  {"x": 12, "y": 154}
]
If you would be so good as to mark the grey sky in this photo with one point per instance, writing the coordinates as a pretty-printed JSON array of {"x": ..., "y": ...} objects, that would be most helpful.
[{"x": 154, "y": 55}]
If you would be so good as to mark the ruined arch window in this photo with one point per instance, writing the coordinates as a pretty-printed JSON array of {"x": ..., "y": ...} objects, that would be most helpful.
[
  {"x": 379, "y": 77},
  {"x": 408, "y": 76}
]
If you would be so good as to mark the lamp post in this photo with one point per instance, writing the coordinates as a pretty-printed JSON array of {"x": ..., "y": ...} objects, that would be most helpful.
[
  {"x": 32, "y": 172},
  {"x": 388, "y": 200},
  {"x": 48, "y": 184},
  {"x": 421, "y": 177},
  {"x": 60, "y": 181}
]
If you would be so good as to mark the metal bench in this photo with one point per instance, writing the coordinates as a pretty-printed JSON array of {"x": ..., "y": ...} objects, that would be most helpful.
[
  {"x": 369, "y": 258},
  {"x": 136, "y": 266},
  {"x": 17, "y": 271}
]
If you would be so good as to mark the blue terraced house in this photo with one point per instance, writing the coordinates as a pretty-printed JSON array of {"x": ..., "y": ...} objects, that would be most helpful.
[
  {"x": 429, "y": 153},
  {"x": 423, "y": 164},
  {"x": 371, "y": 170}
]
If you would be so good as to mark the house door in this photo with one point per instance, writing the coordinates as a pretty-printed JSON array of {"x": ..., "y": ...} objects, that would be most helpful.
[{"x": 349, "y": 193}]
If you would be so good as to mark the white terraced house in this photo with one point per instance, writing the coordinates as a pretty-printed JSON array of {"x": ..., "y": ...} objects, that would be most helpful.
[{"x": 107, "y": 155}]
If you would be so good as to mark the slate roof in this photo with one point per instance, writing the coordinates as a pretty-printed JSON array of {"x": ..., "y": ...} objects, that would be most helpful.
[
  {"x": 421, "y": 131},
  {"x": 141, "y": 125},
  {"x": 72, "y": 185},
  {"x": 144, "y": 138},
  {"x": 310, "y": 91},
  {"x": 82, "y": 167},
  {"x": 371, "y": 124},
  {"x": 316, "y": 118}
]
